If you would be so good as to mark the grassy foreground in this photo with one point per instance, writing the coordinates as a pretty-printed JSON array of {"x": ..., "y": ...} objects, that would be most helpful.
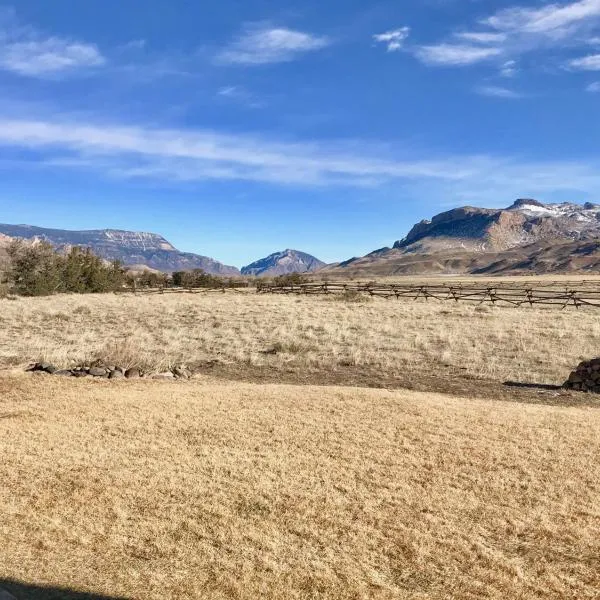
[{"x": 152, "y": 490}]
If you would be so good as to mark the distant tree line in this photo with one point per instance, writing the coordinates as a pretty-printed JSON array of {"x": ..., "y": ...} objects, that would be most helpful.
[
  {"x": 283, "y": 280},
  {"x": 197, "y": 278}
]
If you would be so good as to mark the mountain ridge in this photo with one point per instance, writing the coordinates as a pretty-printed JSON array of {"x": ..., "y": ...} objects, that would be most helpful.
[
  {"x": 130, "y": 247},
  {"x": 526, "y": 237}
]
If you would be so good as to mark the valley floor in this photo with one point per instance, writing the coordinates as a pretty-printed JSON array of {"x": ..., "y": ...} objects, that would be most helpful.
[{"x": 207, "y": 489}]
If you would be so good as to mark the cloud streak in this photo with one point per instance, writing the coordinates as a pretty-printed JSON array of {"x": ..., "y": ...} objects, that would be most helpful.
[
  {"x": 261, "y": 44},
  {"x": 494, "y": 91},
  {"x": 173, "y": 155},
  {"x": 455, "y": 54}
]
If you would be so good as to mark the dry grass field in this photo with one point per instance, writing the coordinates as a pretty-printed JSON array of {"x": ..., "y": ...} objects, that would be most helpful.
[
  {"x": 310, "y": 334},
  {"x": 151, "y": 490},
  {"x": 220, "y": 488}
]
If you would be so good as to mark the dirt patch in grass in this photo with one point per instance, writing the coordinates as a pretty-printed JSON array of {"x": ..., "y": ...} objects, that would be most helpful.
[{"x": 443, "y": 380}]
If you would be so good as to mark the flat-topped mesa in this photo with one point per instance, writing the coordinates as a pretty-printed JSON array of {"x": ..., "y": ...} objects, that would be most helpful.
[{"x": 141, "y": 249}]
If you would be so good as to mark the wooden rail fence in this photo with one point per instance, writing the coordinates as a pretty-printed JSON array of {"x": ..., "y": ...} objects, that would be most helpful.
[{"x": 508, "y": 293}]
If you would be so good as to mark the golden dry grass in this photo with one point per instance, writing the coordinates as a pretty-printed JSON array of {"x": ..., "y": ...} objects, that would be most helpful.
[
  {"x": 529, "y": 344},
  {"x": 154, "y": 490}
]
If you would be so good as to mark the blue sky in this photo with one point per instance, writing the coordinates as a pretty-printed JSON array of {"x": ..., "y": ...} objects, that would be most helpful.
[{"x": 243, "y": 127}]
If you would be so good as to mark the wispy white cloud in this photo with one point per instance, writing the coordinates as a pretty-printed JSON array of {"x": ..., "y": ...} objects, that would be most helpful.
[
  {"x": 261, "y": 44},
  {"x": 593, "y": 87},
  {"x": 481, "y": 37},
  {"x": 514, "y": 31},
  {"x": 192, "y": 156},
  {"x": 455, "y": 54},
  {"x": 553, "y": 20},
  {"x": 139, "y": 44},
  {"x": 229, "y": 91},
  {"x": 509, "y": 68},
  {"x": 28, "y": 52},
  {"x": 586, "y": 63},
  {"x": 240, "y": 95},
  {"x": 394, "y": 39},
  {"x": 494, "y": 91}
]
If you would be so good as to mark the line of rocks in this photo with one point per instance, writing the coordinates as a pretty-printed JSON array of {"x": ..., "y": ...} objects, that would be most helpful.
[
  {"x": 109, "y": 372},
  {"x": 586, "y": 377}
]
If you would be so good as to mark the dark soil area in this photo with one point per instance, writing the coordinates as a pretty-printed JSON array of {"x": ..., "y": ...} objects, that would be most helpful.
[{"x": 445, "y": 381}]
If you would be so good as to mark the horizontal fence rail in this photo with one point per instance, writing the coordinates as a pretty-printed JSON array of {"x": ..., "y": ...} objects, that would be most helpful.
[{"x": 507, "y": 293}]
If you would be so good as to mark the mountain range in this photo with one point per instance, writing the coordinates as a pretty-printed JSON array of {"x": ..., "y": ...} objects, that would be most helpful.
[
  {"x": 526, "y": 237},
  {"x": 140, "y": 250}
]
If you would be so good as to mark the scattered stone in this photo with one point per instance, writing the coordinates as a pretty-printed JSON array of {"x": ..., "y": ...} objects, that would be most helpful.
[
  {"x": 586, "y": 377},
  {"x": 133, "y": 373},
  {"x": 64, "y": 373},
  {"x": 116, "y": 374},
  {"x": 80, "y": 373},
  {"x": 4, "y": 595},
  {"x": 98, "y": 372},
  {"x": 43, "y": 366}
]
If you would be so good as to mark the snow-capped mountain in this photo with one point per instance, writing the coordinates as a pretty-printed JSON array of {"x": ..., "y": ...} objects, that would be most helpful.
[
  {"x": 526, "y": 237},
  {"x": 283, "y": 263},
  {"x": 526, "y": 221}
]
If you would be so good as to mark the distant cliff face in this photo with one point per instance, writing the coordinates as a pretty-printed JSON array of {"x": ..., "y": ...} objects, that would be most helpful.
[
  {"x": 526, "y": 237},
  {"x": 131, "y": 248},
  {"x": 283, "y": 263},
  {"x": 488, "y": 230}
]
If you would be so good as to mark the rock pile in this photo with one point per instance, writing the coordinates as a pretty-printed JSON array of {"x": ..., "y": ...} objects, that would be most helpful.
[
  {"x": 586, "y": 377},
  {"x": 109, "y": 372}
]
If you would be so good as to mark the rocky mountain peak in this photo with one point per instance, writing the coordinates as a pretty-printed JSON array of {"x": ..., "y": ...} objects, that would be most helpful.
[{"x": 284, "y": 262}]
